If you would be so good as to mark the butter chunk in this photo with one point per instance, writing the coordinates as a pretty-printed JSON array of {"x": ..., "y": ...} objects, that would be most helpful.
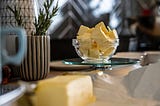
[
  {"x": 85, "y": 43},
  {"x": 69, "y": 90},
  {"x": 94, "y": 53},
  {"x": 83, "y": 29},
  {"x": 84, "y": 36},
  {"x": 112, "y": 34},
  {"x": 84, "y": 40},
  {"x": 109, "y": 51},
  {"x": 103, "y": 27},
  {"x": 84, "y": 51},
  {"x": 100, "y": 38},
  {"x": 97, "y": 41},
  {"x": 98, "y": 33}
]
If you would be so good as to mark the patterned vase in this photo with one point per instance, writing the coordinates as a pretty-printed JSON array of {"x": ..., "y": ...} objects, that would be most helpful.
[{"x": 36, "y": 63}]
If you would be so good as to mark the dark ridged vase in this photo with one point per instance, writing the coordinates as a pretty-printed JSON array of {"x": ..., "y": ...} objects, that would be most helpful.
[{"x": 36, "y": 63}]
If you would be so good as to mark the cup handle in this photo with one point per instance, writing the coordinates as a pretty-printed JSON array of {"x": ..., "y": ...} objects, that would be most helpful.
[{"x": 18, "y": 57}]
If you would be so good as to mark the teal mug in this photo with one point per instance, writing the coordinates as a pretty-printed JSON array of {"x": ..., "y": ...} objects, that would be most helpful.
[{"x": 18, "y": 57}]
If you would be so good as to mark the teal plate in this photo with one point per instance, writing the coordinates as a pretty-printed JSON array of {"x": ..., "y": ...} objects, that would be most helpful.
[{"x": 112, "y": 61}]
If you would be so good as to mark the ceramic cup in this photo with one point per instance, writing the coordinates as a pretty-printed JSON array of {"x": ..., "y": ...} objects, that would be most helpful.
[{"x": 17, "y": 58}]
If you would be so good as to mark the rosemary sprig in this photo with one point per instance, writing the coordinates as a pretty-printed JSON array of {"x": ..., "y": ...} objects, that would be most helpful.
[{"x": 17, "y": 15}]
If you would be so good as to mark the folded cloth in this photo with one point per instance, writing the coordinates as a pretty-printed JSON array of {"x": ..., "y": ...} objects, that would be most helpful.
[
  {"x": 144, "y": 82},
  {"x": 152, "y": 56},
  {"x": 110, "y": 91}
]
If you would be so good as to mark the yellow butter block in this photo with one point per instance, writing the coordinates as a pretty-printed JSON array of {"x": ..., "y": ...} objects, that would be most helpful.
[{"x": 69, "y": 90}]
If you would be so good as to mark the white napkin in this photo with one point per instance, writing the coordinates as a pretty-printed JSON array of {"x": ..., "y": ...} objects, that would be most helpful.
[
  {"x": 144, "y": 82},
  {"x": 110, "y": 91}
]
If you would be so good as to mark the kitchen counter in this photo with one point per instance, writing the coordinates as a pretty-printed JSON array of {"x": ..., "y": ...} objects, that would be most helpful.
[{"x": 58, "y": 68}]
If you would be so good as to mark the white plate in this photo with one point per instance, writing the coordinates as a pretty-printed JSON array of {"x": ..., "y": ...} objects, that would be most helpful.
[
  {"x": 7, "y": 99},
  {"x": 59, "y": 65}
]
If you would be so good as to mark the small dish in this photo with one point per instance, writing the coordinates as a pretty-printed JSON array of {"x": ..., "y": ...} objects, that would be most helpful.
[
  {"x": 95, "y": 54},
  {"x": 112, "y": 61}
]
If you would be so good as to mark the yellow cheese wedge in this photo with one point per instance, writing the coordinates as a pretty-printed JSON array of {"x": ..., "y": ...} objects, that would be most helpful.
[
  {"x": 101, "y": 39},
  {"x": 69, "y": 90},
  {"x": 83, "y": 29},
  {"x": 84, "y": 36},
  {"x": 84, "y": 40},
  {"x": 109, "y": 51},
  {"x": 105, "y": 45},
  {"x": 98, "y": 35},
  {"x": 85, "y": 43},
  {"x": 94, "y": 53},
  {"x": 103, "y": 27},
  {"x": 112, "y": 34},
  {"x": 84, "y": 51}
]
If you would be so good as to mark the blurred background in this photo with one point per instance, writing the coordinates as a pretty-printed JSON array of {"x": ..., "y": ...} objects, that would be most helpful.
[{"x": 136, "y": 21}]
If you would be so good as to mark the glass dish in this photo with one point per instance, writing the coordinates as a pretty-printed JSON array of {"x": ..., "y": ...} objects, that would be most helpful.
[
  {"x": 111, "y": 62},
  {"x": 93, "y": 53}
]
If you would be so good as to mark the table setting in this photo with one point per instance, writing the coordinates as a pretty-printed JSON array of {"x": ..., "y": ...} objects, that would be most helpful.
[
  {"x": 123, "y": 70},
  {"x": 122, "y": 78},
  {"x": 137, "y": 83}
]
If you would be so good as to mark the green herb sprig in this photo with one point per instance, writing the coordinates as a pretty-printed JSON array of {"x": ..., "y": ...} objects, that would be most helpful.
[
  {"x": 44, "y": 17},
  {"x": 17, "y": 15}
]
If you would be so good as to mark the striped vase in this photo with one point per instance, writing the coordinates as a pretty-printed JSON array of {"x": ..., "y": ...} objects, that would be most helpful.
[{"x": 36, "y": 63}]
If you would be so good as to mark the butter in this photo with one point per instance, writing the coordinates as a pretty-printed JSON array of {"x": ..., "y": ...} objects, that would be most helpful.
[
  {"x": 69, "y": 90},
  {"x": 112, "y": 34},
  {"x": 109, "y": 51},
  {"x": 85, "y": 40},
  {"x": 83, "y": 29},
  {"x": 94, "y": 52},
  {"x": 85, "y": 43},
  {"x": 101, "y": 39},
  {"x": 96, "y": 42}
]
